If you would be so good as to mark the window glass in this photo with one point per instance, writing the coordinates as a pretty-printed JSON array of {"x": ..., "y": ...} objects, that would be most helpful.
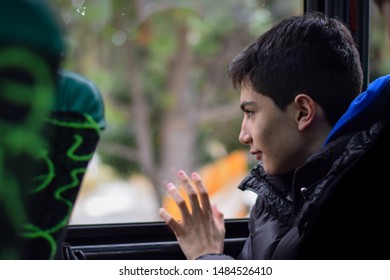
[{"x": 161, "y": 68}]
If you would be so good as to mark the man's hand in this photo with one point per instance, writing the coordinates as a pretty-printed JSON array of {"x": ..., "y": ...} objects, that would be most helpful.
[{"x": 202, "y": 230}]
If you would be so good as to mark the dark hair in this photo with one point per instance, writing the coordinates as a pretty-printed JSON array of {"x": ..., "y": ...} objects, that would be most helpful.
[{"x": 311, "y": 54}]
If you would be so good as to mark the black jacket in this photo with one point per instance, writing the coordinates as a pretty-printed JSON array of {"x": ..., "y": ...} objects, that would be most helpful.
[{"x": 336, "y": 205}]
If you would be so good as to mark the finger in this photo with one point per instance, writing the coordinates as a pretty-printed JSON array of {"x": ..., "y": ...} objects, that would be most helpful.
[
  {"x": 180, "y": 202},
  {"x": 218, "y": 215},
  {"x": 191, "y": 192},
  {"x": 203, "y": 193},
  {"x": 171, "y": 222}
]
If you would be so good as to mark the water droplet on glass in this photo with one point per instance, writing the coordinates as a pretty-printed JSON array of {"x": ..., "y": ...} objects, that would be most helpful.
[
  {"x": 119, "y": 38},
  {"x": 81, "y": 10}
]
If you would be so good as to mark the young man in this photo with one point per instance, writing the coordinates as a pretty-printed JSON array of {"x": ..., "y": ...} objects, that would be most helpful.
[{"x": 321, "y": 179}]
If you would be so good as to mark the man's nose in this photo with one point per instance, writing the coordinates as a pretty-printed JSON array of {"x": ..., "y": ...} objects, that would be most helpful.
[{"x": 244, "y": 136}]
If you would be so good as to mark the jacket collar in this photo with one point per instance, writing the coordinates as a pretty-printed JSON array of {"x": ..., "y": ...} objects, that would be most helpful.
[{"x": 310, "y": 182}]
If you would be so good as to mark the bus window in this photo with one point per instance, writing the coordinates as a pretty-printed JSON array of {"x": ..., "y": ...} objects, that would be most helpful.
[{"x": 161, "y": 68}]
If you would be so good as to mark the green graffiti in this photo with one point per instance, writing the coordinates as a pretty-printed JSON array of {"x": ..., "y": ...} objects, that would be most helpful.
[
  {"x": 20, "y": 137},
  {"x": 45, "y": 178},
  {"x": 39, "y": 94},
  {"x": 47, "y": 182},
  {"x": 90, "y": 123}
]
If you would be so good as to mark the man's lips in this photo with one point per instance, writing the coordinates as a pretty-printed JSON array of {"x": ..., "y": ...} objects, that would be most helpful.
[{"x": 257, "y": 154}]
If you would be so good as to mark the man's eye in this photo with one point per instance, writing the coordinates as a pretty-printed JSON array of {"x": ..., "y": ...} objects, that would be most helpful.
[{"x": 248, "y": 113}]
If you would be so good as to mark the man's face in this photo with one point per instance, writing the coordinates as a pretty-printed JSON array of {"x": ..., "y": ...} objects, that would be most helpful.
[{"x": 272, "y": 134}]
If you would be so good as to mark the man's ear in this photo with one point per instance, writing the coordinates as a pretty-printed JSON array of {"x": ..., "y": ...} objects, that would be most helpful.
[{"x": 305, "y": 111}]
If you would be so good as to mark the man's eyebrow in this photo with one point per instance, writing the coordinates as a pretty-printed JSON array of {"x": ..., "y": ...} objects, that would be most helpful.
[{"x": 246, "y": 103}]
